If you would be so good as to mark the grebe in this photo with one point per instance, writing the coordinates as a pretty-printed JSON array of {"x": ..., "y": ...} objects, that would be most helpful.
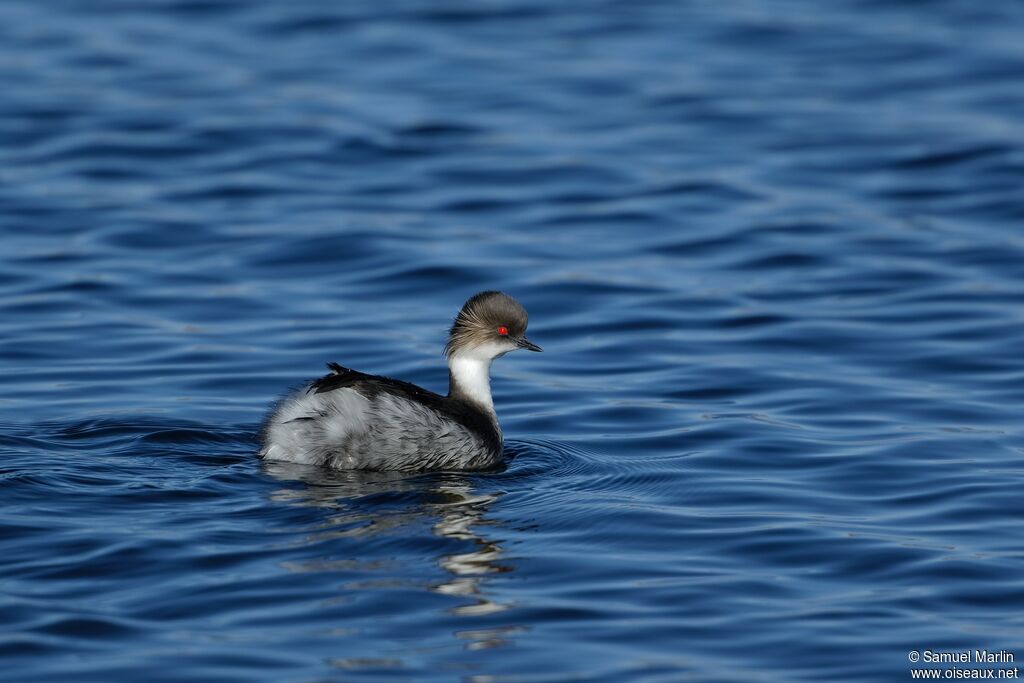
[{"x": 354, "y": 421}]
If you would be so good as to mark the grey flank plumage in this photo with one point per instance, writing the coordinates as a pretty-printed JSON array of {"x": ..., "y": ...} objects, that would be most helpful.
[{"x": 349, "y": 420}]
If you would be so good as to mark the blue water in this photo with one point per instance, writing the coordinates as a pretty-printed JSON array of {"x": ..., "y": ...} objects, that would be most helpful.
[{"x": 772, "y": 249}]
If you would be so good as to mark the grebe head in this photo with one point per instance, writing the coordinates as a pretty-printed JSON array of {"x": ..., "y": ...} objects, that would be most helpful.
[{"x": 489, "y": 325}]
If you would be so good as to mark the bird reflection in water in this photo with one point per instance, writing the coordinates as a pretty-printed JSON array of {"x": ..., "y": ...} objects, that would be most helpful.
[{"x": 368, "y": 504}]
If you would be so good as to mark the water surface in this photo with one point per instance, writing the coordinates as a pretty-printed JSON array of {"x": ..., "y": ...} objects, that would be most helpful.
[{"x": 772, "y": 251}]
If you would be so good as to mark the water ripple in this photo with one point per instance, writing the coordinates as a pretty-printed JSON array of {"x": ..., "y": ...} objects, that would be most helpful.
[{"x": 772, "y": 255}]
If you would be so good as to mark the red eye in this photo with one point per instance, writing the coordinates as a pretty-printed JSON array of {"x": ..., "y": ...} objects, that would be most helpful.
[{"x": 503, "y": 331}]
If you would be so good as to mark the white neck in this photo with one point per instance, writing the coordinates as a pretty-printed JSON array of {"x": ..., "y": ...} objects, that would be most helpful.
[
  {"x": 471, "y": 371},
  {"x": 473, "y": 376}
]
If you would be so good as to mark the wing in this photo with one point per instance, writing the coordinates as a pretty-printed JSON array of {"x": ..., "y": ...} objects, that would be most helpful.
[{"x": 373, "y": 385}]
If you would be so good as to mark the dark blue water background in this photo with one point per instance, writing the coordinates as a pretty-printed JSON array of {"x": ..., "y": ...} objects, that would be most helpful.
[{"x": 773, "y": 251}]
